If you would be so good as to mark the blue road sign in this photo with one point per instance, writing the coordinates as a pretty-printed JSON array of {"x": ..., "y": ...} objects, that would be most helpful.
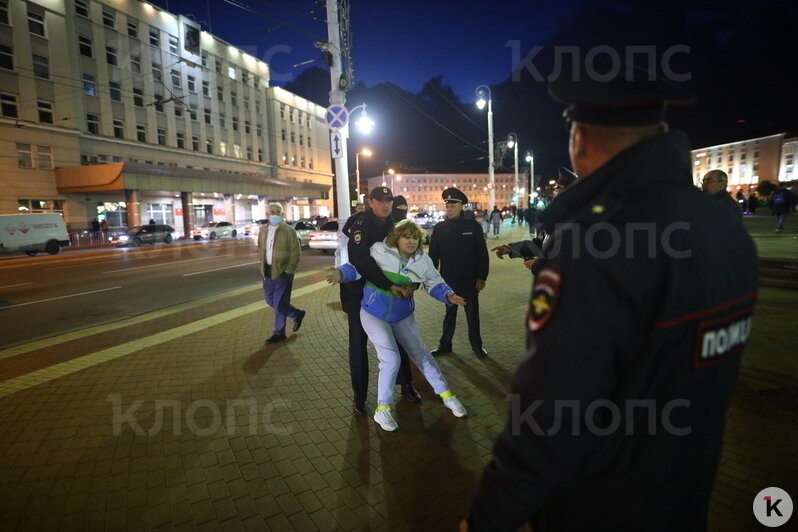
[{"x": 337, "y": 116}]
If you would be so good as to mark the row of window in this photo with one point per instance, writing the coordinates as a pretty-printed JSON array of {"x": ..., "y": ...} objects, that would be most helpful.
[
  {"x": 284, "y": 137},
  {"x": 35, "y": 18},
  {"x": 9, "y": 108},
  {"x": 30, "y": 156},
  {"x": 299, "y": 115}
]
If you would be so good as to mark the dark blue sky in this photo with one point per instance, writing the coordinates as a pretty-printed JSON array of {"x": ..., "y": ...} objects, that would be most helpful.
[{"x": 402, "y": 42}]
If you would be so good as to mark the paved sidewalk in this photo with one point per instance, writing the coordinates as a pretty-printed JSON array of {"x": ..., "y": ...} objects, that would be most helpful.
[{"x": 182, "y": 419}]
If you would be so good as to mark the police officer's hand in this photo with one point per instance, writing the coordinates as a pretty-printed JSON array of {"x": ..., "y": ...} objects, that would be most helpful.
[
  {"x": 333, "y": 275},
  {"x": 480, "y": 285},
  {"x": 502, "y": 250},
  {"x": 530, "y": 263},
  {"x": 455, "y": 299},
  {"x": 401, "y": 291}
]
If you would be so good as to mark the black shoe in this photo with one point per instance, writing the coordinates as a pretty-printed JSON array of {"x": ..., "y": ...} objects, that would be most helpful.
[
  {"x": 275, "y": 338},
  {"x": 298, "y": 320},
  {"x": 441, "y": 351},
  {"x": 480, "y": 352},
  {"x": 410, "y": 393},
  {"x": 359, "y": 409}
]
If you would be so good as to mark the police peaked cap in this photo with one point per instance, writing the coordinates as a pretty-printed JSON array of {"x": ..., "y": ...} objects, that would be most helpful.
[
  {"x": 454, "y": 195},
  {"x": 567, "y": 177},
  {"x": 630, "y": 96}
]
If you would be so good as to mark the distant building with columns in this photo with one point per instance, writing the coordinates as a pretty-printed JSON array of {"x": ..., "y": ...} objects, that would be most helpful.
[{"x": 120, "y": 111}]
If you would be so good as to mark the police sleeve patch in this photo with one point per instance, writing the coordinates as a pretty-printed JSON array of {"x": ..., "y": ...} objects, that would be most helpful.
[
  {"x": 357, "y": 236},
  {"x": 718, "y": 339},
  {"x": 545, "y": 293}
]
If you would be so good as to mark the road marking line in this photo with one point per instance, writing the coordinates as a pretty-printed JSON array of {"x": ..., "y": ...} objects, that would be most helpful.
[
  {"x": 35, "y": 378},
  {"x": 225, "y": 268},
  {"x": 13, "y": 285},
  {"x": 156, "y": 265},
  {"x": 59, "y": 297},
  {"x": 65, "y": 337}
]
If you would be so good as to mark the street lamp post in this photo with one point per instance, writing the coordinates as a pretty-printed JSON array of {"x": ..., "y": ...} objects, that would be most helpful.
[
  {"x": 366, "y": 153},
  {"x": 484, "y": 96},
  {"x": 512, "y": 142},
  {"x": 531, "y": 160},
  {"x": 384, "y": 183}
]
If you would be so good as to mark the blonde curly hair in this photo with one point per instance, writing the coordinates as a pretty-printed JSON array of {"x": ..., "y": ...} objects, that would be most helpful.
[{"x": 406, "y": 228}]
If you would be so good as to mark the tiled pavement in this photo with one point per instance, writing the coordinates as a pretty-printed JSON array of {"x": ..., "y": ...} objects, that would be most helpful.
[{"x": 183, "y": 420}]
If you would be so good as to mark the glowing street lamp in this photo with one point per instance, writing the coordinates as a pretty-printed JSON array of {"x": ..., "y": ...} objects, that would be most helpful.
[
  {"x": 365, "y": 152},
  {"x": 531, "y": 160},
  {"x": 484, "y": 97},
  {"x": 512, "y": 143}
]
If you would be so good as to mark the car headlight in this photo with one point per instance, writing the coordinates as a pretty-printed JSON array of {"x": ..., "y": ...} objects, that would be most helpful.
[{"x": 123, "y": 238}]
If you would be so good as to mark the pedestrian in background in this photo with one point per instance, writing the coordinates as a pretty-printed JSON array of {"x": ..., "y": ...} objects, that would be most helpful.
[
  {"x": 457, "y": 248},
  {"x": 753, "y": 203},
  {"x": 782, "y": 201},
  {"x": 496, "y": 220},
  {"x": 280, "y": 251},
  {"x": 715, "y": 182},
  {"x": 618, "y": 409}
]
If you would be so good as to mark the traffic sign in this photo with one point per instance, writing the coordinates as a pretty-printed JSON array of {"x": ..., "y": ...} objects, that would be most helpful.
[
  {"x": 337, "y": 116},
  {"x": 336, "y": 144}
]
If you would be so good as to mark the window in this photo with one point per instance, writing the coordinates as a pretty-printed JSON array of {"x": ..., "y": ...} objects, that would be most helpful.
[
  {"x": 119, "y": 129},
  {"x": 108, "y": 18},
  {"x": 234, "y": 98},
  {"x": 222, "y": 148},
  {"x": 45, "y": 112},
  {"x": 258, "y": 130},
  {"x": 293, "y": 159},
  {"x": 192, "y": 84},
  {"x": 285, "y": 158},
  {"x": 89, "y": 86},
  {"x": 158, "y": 104},
  {"x": 110, "y": 56},
  {"x": 135, "y": 64},
  {"x": 138, "y": 97},
  {"x": 8, "y": 105},
  {"x": 192, "y": 112},
  {"x": 220, "y": 94},
  {"x": 173, "y": 45},
  {"x": 231, "y": 72},
  {"x": 84, "y": 45},
  {"x": 237, "y": 151},
  {"x": 302, "y": 161},
  {"x": 195, "y": 143},
  {"x": 309, "y": 141},
  {"x": 181, "y": 140},
  {"x": 207, "y": 116},
  {"x": 209, "y": 145},
  {"x": 282, "y": 134},
  {"x": 93, "y": 123},
  {"x": 41, "y": 67},
  {"x": 82, "y": 8},
  {"x": 155, "y": 37},
  {"x": 3, "y": 12},
  {"x": 301, "y": 140},
  {"x": 218, "y": 65},
  {"x": 260, "y": 156},
  {"x": 115, "y": 90},
  {"x": 222, "y": 123},
  {"x": 244, "y": 77},
  {"x": 141, "y": 132},
  {"x": 310, "y": 164},
  {"x": 206, "y": 89},
  {"x": 178, "y": 110},
  {"x": 6, "y": 57},
  {"x": 256, "y": 81},
  {"x": 257, "y": 106},
  {"x": 235, "y": 123},
  {"x": 282, "y": 111},
  {"x": 293, "y": 137},
  {"x": 161, "y": 136},
  {"x": 247, "y": 126},
  {"x": 246, "y": 103},
  {"x": 308, "y": 120},
  {"x": 133, "y": 29},
  {"x": 176, "y": 81},
  {"x": 35, "y": 20},
  {"x": 291, "y": 115},
  {"x": 205, "y": 59},
  {"x": 24, "y": 155},
  {"x": 157, "y": 74}
]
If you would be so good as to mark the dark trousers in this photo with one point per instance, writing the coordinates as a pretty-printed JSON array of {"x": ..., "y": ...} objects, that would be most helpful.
[
  {"x": 277, "y": 293},
  {"x": 358, "y": 360},
  {"x": 780, "y": 221},
  {"x": 472, "y": 316}
]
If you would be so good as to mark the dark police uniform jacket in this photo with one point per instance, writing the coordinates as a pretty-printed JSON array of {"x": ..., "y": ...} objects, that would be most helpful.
[
  {"x": 458, "y": 246},
  {"x": 363, "y": 230},
  {"x": 640, "y": 309}
]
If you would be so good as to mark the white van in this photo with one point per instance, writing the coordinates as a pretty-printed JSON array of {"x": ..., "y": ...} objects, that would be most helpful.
[{"x": 31, "y": 233}]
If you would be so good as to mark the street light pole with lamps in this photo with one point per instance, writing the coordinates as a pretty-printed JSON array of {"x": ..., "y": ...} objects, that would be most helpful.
[
  {"x": 512, "y": 142},
  {"x": 484, "y": 96},
  {"x": 366, "y": 153},
  {"x": 390, "y": 172},
  {"x": 531, "y": 160}
]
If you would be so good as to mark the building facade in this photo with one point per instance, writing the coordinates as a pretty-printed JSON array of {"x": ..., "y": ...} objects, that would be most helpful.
[
  {"x": 424, "y": 191},
  {"x": 747, "y": 162},
  {"x": 121, "y": 111}
]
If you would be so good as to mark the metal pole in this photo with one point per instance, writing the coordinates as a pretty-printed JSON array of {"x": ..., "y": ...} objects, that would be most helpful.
[
  {"x": 491, "y": 177},
  {"x": 338, "y": 96},
  {"x": 357, "y": 175},
  {"x": 515, "y": 190}
]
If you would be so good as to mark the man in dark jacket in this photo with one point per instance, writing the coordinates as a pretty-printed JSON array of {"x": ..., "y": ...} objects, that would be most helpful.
[
  {"x": 457, "y": 248},
  {"x": 715, "y": 183},
  {"x": 364, "y": 229},
  {"x": 781, "y": 203},
  {"x": 640, "y": 309}
]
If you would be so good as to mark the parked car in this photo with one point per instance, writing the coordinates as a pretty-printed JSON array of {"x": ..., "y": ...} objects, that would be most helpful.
[
  {"x": 303, "y": 230},
  {"x": 326, "y": 238},
  {"x": 213, "y": 230},
  {"x": 143, "y": 234}
]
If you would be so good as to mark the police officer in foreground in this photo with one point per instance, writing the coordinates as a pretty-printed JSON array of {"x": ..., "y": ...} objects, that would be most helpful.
[
  {"x": 457, "y": 248},
  {"x": 364, "y": 229},
  {"x": 640, "y": 309}
]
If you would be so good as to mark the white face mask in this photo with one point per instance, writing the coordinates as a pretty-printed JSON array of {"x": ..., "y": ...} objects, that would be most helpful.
[{"x": 275, "y": 219}]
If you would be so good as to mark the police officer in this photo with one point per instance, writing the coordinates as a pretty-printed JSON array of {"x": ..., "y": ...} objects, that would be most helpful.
[
  {"x": 363, "y": 230},
  {"x": 640, "y": 309},
  {"x": 457, "y": 248}
]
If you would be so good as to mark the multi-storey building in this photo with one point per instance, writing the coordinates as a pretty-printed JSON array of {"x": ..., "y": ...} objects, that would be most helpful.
[
  {"x": 423, "y": 191},
  {"x": 117, "y": 109},
  {"x": 789, "y": 151},
  {"x": 747, "y": 162}
]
